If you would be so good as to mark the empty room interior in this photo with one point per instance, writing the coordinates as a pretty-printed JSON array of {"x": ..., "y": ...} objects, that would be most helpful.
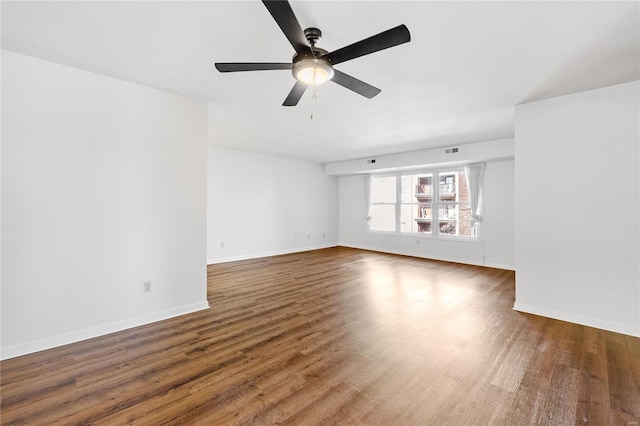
[{"x": 320, "y": 212}]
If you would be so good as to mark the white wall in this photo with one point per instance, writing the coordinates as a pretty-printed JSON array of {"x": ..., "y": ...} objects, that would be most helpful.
[
  {"x": 103, "y": 188},
  {"x": 577, "y": 208},
  {"x": 494, "y": 248},
  {"x": 261, "y": 205},
  {"x": 498, "y": 214}
]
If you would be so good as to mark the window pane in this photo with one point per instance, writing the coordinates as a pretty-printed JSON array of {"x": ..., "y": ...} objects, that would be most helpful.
[
  {"x": 463, "y": 191},
  {"x": 383, "y": 189},
  {"x": 416, "y": 218},
  {"x": 448, "y": 212},
  {"x": 455, "y": 219},
  {"x": 425, "y": 185},
  {"x": 448, "y": 188},
  {"x": 383, "y": 217},
  {"x": 424, "y": 212},
  {"x": 408, "y": 216},
  {"x": 448, "y": 219},
  {"x": 465, "y": 226},
  {"x": 417, "y": 188},
  {"x": 406, "y": 190}
]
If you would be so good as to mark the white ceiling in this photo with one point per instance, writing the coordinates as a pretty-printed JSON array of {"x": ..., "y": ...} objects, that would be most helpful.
[{"x": 456, "y": 82}]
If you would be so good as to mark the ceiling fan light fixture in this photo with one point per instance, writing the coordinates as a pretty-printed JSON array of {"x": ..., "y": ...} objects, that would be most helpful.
[
  {"x": 312, "y": 65},
  {"x": 312, "y": 71}
]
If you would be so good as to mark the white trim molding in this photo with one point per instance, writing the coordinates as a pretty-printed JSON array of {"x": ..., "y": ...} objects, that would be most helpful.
[
  {"x": 578, "y": 319},
  {"x": 267, "y": 254},
  {"x": 431, "y": 257},
  {"x": 89, "y": 333}
]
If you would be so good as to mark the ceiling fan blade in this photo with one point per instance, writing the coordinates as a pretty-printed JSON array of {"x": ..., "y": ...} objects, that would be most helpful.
[
  {"x": 295, "y": 94},
  {"x": 384, "y": 40},
  {"x": 288, "y": 23},
  {"x": 252, "y": 66},
  {"x": 352, "y": 83}
]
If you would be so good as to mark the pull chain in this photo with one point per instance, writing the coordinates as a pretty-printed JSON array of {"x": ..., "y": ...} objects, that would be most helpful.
[{"x": 313, "y": 98}]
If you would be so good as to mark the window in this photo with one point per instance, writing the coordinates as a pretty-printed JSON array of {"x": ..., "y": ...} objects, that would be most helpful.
[
  {"x": 416, "y": 203},
  {"x": 434, "y": 202},
  {"x": 383, "y": 203}
]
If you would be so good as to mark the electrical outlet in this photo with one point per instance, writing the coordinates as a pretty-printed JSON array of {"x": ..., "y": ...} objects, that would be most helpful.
[
  {"x": 146, "y": 287},
  {"x": 222, "y": 244},
  {"x": 308, "y": 236},
  {"x": 324, "y": 235}
]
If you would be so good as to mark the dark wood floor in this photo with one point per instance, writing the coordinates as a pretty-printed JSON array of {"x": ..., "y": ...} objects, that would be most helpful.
[{"x": 338, "y": 336}]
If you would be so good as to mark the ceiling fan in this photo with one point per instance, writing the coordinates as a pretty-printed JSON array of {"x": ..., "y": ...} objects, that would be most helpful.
[{"x": 312, "y": 65}]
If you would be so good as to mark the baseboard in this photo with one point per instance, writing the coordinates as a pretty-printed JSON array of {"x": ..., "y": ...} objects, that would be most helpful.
[
  {"x": 378, "y": 249},
  {"x": 578, "y": 319},
  {"x": 424, "y": 256},
  {"x": 268, "y": 254},
  {"x": 500, "y": 266},
  {"x": 89, "y": 333}
]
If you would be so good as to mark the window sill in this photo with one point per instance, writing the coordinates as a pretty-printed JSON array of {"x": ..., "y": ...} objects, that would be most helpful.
[{"x": 412, "y": 235}]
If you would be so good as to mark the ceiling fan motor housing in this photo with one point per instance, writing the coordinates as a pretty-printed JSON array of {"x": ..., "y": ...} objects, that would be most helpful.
[
  {"x": 317, "y": 54},
  {"x": 313, "y": 35}
]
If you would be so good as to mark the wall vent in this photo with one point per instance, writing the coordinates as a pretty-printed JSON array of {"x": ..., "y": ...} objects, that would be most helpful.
[
  {"x": 451, "y": 150},
  {"x": 372, "y": 161}
]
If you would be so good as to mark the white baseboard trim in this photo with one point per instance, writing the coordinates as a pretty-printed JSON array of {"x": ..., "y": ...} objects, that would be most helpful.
[
  {"x": 424, "y": 256},
  {"x": 268, "y": 254},
  {"x": 89, "y": 333},
  {"x": 578, "y": 319},
  {"x": 500, "y": 266}
]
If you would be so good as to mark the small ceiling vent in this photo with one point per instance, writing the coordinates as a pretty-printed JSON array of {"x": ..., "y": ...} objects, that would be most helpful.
[{"x": 451, "y": 150}]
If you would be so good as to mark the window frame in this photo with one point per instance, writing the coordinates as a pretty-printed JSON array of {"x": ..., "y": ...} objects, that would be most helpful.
[{"x": 436, "y": 205}]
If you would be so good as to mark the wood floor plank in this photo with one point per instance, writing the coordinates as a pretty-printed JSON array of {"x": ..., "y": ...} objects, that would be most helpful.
[{"x": 337, "y": 336}]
